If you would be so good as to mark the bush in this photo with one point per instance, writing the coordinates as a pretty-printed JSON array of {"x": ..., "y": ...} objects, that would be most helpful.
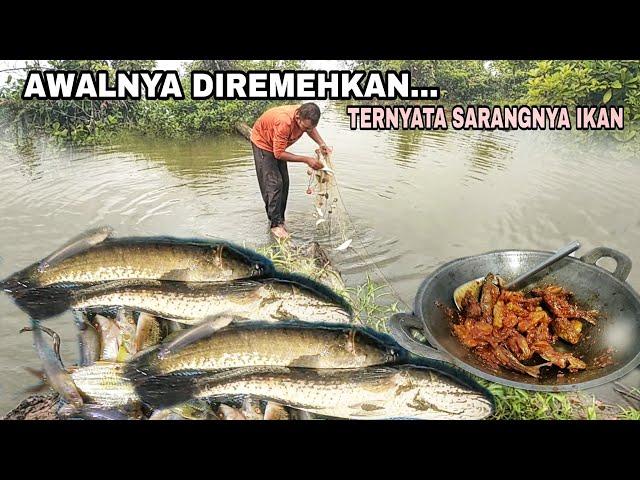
[{"x": 93, "y": 121}]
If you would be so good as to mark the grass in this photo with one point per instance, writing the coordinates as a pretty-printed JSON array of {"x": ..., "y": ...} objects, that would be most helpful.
[
  {"x": 629, "y": 414},
  {"x": 368, "y": 306},
  {"x": 367, "y": 300},
  {"x": 371, "y": 308},
  {"x": 517, "y": 404},
  {"x": 290, "y": 258}
]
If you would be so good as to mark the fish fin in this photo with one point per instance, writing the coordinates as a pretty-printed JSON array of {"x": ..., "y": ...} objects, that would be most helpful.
[
  {"x": 144, "y": 324},
  {"x": 52, "y": 334},
  {"x": 177, "y": 275},
  {"x": 77, "y": 244},
  {"x": 266, "y": 266},
  {"x": 275, "y": 411},
  {"x": 193, "y": 334},
  {"x": 96, "y": 412},
  {"x": 36, "y": 372},
  {"x": 40, "y": 387},
  {"x": 237, "y": 286},
  {"x": 113, "y": 285},
  {"x": 59, "y": 379}
]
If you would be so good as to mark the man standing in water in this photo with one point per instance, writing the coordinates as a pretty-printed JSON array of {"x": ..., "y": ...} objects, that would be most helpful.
[{"x": 276, "y": 130}]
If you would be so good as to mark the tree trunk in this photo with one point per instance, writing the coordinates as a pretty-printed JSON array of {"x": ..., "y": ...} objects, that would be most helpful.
[{"x": 244, "y": 130}]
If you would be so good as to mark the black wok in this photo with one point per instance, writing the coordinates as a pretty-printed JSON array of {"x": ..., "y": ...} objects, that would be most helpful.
[{"x": 617, "y": 327}]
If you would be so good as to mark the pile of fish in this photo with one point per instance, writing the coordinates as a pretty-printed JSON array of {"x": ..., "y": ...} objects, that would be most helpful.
[{"x": 173, "y": 328}]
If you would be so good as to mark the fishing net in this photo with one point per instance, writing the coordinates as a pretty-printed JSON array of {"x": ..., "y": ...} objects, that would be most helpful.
[
  {"x": 336, "y": 229},
  {"x": 332, "y": 227}
]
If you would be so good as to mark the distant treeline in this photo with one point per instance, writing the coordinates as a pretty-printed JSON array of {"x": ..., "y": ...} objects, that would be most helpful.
[{"x": 586, "y": 82}]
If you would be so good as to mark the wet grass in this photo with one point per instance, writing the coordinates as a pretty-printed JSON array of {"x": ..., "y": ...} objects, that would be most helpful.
[
  {"x": 370, "y": 301},
  {"x": 517, "y": 404},
  {"x": 629, "y": 414},
  {"x": 290, "y": 258},
  {"x": 372, "y": 307}
]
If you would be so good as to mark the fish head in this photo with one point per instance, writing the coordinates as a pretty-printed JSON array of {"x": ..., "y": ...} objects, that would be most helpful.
[
  {"x": 233, "y": 264},
  {"x": 366, "y": 346},
  {"x": 257, "y": 270},
  {"x": 222, "y": 260},
  {"x": 216, "y": 257},
  {"x": 432, "y": 395},
  {"x": 492, "y": 278},
  {"x": 392, "y": 354}
]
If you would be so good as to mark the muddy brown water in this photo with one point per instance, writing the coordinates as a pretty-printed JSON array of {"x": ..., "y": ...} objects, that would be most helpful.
[{"x": 416, "y": 199}]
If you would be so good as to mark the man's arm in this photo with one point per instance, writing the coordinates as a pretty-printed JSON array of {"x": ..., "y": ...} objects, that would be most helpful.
[
  {"x": 315, "y": 136},
  {"x": 292, "y": 157},
  {"x": 279, "y": 145}
]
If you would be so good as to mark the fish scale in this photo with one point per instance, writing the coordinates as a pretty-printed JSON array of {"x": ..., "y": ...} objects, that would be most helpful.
[
  {"x": 44, "y": 289},
  {"x": 191, "y": 303},
  {"x": 151, "y": 258},
  {"x": 249, "y": 343},
  {"x": 368, "y": 393},
  {"x": 104, "y": 383}
]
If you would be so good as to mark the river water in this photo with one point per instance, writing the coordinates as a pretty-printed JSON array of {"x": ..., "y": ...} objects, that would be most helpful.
[{"x": 416, "y": 199}]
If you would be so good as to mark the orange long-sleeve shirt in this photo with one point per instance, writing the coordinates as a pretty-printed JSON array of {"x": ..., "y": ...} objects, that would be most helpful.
[{"x": 276, "y": 129}]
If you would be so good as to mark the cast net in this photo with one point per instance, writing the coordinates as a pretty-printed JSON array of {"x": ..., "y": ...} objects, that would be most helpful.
[{"x": 336, "y": 230}]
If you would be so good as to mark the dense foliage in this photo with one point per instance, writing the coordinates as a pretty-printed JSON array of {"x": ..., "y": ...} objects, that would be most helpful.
[
  {"x": 587, "y": 82},
  {"x": 90, "y": 121}
]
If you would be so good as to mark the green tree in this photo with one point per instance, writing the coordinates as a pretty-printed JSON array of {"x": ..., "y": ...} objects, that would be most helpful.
[
  {"x": 587, "y": 82},
  {"x": 511, "y": 77}
]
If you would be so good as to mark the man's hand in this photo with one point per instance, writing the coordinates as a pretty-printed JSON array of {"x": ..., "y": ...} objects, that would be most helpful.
[
  {"x": 325, "y": 150},
  {"x": 314, "y": 163}
]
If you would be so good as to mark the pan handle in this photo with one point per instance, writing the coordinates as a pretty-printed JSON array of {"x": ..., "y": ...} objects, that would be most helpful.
[
  {"x": 623, "y": 263},
  {"x": 399, "y": 323}
]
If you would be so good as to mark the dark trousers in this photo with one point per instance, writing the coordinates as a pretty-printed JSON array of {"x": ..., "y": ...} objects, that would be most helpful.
[{"x": 273, "y": 178}]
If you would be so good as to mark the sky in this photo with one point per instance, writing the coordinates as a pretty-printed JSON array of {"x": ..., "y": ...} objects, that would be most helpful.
[{"x": 160, "y": 65}]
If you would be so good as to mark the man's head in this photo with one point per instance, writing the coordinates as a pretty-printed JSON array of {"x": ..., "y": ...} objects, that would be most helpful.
[{"x": 307, "y": 116}]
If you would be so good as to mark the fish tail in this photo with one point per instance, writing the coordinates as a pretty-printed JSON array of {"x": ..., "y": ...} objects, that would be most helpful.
[
  {"x": 160, "y": 391},
  {"x": 41, "y": 303},
  {"x": 166, "y": 390},
  {"x": 13, "y": 286}
]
